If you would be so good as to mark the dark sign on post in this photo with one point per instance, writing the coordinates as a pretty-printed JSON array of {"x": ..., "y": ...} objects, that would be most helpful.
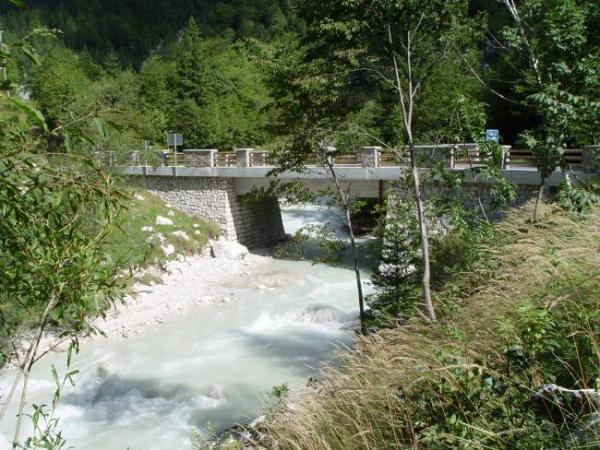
[{"x": 174, "y": 139}]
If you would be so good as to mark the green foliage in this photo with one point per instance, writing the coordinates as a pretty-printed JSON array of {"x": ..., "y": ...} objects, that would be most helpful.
[
  {"x": 316, "y": 243},
  {"x": 578, "y": 199},
  {"x": 280, "y": 391},
  {"x": 561, "y": 79},
  {"x": 55, "y": 221},
  {"x": 471, "y": 382},
  {"x": 139, "y": 242},
  {"x": 44, "y": 420},
  {"x": 131, "y": 30},
  {"x": 397, "y": 278},
  {"x": 210, "y": 90}
]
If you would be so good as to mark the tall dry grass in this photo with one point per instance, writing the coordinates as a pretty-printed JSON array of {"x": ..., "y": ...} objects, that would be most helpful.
[{"x": 467, "y": 382}]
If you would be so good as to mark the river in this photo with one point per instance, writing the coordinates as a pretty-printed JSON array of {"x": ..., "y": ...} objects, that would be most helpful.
[{"x": 215, "y": 365}]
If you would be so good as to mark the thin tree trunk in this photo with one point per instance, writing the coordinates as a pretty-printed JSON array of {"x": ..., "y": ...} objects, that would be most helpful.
[
  {"x": 361, "y": 304},
  {"x": 426, "y": 280},
  {"x": 407, "y": 104},
  {"x": 21, "y": 408},
  {"x": 477, "y": 190},
  {"x": 346, "y": 206},
  {"x": 537, "y": 212},
  {"x": 26, "y": 366}
]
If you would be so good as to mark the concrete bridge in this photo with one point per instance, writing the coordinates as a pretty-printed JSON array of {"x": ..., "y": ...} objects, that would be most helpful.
[{"x": 209, "y": 183}]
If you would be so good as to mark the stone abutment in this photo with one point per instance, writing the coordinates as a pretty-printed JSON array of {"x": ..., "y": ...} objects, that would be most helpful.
[{"x": 255, "y": 223}]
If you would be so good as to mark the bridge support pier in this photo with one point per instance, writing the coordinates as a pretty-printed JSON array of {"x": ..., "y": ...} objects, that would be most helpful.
[{"x": 255, "y": 223}]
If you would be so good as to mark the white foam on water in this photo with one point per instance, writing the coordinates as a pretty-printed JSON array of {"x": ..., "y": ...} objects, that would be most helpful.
[{"x": 215, "y": 364}]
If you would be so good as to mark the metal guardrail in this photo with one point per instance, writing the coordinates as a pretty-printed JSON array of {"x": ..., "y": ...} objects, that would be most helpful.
[
  {"x": 225, "y": 159},
  {"x": 261, "y": 159},
  {"x": 526, "y": 158},
  {"x": 453, "y": 156}
]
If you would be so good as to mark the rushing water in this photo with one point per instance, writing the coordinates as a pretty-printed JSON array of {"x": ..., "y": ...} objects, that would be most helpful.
[{"x": 215, "y": 365}]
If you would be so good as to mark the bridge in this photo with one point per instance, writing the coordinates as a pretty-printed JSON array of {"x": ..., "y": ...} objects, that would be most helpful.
[{"x": 209, "y": 183}]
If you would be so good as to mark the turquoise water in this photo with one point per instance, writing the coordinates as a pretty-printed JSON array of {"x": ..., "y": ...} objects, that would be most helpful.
[{"x": 217, "y": 364}]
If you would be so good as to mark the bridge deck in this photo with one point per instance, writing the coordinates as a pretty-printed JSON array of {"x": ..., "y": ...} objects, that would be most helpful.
[{"x": 520, "y": 175}]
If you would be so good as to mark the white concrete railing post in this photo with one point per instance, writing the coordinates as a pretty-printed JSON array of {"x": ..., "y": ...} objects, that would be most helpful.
[
  {"x": 369, "y": 156},
  {"x": 243, "y": 157},
  {"x": 590, "y": 158},
  {"x": 200, "y": 157},
  {"x": 506, "y": 157},
  {"x": 453, "y": 152}
]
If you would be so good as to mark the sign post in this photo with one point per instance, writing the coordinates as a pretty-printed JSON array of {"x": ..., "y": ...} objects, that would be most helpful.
[{"x": 174, "y": 140}]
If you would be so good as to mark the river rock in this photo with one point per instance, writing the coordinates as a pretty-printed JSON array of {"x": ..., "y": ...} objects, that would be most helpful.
[
  {"x": 181, "y": 234},
  {"x": 228, "y": 250},
  {"x": 258, "y": 421},
  {"x": 319, "y": 314},
  {"x": 571, "y": 406},
  {"x": 161, "y": 220},
  {"x": 168, "y": 249}
]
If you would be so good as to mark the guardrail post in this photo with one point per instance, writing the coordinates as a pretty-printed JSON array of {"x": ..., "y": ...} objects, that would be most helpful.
[
  {"x": 243, "y": 157},
  {"x": 453, "y": 152},
  {"x": 200, "y": 157},
  {"x": 506, "y": 157},
  {"x": 369, "y": 156},
  {"x": 590, "y": 158}
]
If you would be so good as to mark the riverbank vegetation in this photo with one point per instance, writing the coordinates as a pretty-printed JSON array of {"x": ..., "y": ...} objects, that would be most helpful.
[
  {"x": 144, "y": 235},
  {"x": 521, "y": 312},
  {"x": 151, "y": 232},
  {"x": 471, "y": 326}
]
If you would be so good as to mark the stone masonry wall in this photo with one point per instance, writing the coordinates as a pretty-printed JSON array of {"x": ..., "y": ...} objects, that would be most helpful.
[{"x": 252, "y": 224}]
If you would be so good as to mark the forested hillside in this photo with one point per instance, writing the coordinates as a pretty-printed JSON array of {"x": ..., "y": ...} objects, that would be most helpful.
[
  {"x": 234, "y": 73},
  {"x": 132, "y": 29}
]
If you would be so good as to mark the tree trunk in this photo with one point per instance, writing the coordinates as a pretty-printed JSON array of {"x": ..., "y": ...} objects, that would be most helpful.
[
  {"x": 537, "y": 212},
  {"x": 406, "y": 101},
  {"x": 26, "y": 366},
  {"x": 361, "y": 303},
  {"x": 477, "y": 189},
  {"x": 426, "y": 280},
  {"x": 346, "y": 206}
]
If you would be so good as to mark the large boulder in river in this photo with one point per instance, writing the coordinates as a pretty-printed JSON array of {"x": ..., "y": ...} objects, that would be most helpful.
[
  {"x": 320, "y": 314},
  {"x": 228, "y": 250}
]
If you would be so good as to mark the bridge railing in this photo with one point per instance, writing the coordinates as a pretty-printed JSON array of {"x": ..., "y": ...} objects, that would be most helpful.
[
  {"x": 521, "y": 158},
  {"x": 261, "y": 159},
  {"x": 225, "y": 159},
  {"x": 450, "y": 155}
]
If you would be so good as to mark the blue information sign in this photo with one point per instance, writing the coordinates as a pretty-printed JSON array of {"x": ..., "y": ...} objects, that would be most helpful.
[{"x": 492, "y": 135}]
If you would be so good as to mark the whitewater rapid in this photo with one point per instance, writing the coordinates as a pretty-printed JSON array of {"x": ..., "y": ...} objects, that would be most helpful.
[{"x": 212, "y": 367}]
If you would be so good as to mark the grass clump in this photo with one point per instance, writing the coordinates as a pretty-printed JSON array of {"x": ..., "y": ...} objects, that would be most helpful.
[
  {"x": 521, "y": 315},
  {"x": 139, "y": 242}
]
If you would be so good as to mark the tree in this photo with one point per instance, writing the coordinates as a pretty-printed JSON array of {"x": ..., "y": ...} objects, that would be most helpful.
[
  {"x": 55, "y": 215},
  {"x": 326, "y": 157},
  {"x": 561, "y": 76},
  {"x": 400, "y": 45},
  {"x": 308, "y": 118}
]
